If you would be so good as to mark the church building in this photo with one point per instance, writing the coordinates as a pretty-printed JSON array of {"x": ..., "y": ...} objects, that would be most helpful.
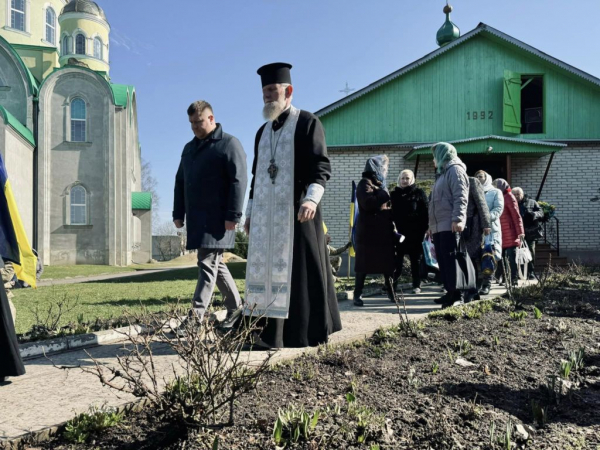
[
  {"x": 508, "y": 108},
  {"x": 69, "y": 135}
]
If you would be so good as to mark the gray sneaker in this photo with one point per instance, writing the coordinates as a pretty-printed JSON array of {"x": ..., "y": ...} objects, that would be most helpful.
[{"x": 185, "y": 327}]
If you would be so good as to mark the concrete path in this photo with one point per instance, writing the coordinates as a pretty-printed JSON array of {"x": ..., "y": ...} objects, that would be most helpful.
[
  {"x": 46, "y": 396},
  {"x": 109, "y": 276}
]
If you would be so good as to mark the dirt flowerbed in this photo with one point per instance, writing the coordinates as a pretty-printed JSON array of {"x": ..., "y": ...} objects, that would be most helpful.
[{"x": 504, "y": 374}]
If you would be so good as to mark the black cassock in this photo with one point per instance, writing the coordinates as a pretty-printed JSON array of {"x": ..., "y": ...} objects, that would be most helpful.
[
  {"x": 313, "y": 313},
  {"x": 11, "y": 364}
]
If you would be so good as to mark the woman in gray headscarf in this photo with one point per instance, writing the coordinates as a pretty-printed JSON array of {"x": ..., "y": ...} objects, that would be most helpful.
[
  {"x": 448, "y": 215},
  {"x": 374, "y": 228}
]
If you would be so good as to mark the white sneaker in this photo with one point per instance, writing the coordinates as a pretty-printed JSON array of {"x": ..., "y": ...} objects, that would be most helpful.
[{"x": 416, "y": 291}]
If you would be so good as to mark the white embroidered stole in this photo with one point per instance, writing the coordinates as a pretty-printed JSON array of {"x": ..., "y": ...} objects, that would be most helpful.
[{"x": 270, "y": 250}]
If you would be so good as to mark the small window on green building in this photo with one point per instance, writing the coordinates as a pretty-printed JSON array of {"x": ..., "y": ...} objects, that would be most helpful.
[{"x": 532, "y": 104}]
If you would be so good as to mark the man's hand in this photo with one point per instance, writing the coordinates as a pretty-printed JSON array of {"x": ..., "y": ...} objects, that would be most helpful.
[
  {"x": 522, "y": 238},
  {"x": 247, "y": 226},
  {"x": 229, "y": 226},
  {"x": 487, "y": 231},
  {"x": 178, "y": 223},
  {"x": 307, "y": 211},
  {"x": 457, "y": 227}
]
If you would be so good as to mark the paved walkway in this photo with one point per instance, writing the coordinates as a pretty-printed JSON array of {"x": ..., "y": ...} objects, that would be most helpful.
[
  {"x": 109, "y": 276},
  {"x": 46, "y": 396}
]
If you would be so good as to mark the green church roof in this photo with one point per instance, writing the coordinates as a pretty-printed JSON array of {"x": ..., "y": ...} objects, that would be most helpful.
[
  {"x": 33, "y": 84},
  {"x": 12, "y": 121},
  {"x": 122, "y": 92},
  {"x": 493, "y": 145},
  {"x": 141, "y": 200}
]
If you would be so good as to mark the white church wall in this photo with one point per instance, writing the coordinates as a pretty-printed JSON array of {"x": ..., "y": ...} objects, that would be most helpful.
[
  {"x": 18, "y": 158},
  {"x": 64, "y": 163}
]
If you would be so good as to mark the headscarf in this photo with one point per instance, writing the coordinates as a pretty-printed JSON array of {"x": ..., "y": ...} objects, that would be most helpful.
[
  {"x": 443, "y": 153},
  {"x": 377, "y": 168},
  {"x": 488, "y": 179},
  {"x": 412, "y": 177},
  {"x": 502, "y": 184}
]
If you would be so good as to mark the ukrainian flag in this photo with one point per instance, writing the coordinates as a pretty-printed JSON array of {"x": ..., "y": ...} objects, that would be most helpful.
[
  {"x": 14, "y": 245},
  {"x": 353, "y": 219}
]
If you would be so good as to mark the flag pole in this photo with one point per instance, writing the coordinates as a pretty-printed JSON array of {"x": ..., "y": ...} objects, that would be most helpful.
[{"x": 349, "y": 257}]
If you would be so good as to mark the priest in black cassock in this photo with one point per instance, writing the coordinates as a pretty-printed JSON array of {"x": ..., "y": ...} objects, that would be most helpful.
[{"x": 288, "y": 274}]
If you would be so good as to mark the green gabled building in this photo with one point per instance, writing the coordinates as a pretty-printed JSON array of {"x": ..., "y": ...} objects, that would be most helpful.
[{"x": 508, "y": 108}]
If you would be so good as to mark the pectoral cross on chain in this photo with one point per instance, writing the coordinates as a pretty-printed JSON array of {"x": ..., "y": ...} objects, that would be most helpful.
[{"x": 273, "y": 169}]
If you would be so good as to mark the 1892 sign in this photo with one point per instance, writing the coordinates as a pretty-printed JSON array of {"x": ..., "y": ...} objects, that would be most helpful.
[{"x": 480, "y": 115}]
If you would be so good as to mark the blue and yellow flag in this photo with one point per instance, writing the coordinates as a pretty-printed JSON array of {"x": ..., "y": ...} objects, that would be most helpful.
[
  {"x": 14, "y": 245},
  {"x": 353, "y": 219}
]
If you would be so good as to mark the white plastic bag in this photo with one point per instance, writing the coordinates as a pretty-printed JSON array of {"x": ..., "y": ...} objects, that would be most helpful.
[{"x": 523, "y": 258}]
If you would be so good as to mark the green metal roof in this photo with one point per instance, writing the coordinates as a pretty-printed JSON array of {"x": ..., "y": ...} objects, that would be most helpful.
[
  {"x": 12, "y": 121},
  {"x": 141, "y": 200},
  {"x": 32, "y": 82},
  {"x": 122, "y": 92},
  {"x": 498, "y": 145}
]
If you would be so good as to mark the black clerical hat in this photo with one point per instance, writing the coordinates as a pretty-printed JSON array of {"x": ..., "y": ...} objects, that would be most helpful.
[{"x": 275, "y": 73}]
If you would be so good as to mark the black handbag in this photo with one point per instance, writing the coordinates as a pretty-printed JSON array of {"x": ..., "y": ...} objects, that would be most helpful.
[{"x": 465, "y": 271}]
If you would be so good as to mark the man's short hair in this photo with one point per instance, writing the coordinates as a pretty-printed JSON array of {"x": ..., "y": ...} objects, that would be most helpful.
[{"x": 199, "y": 106}]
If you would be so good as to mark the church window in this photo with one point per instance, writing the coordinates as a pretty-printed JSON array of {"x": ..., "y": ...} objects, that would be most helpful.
[
  {"x": 80, "y": 44},
  {"x": 66, "y": 50},
  {"x": 50, "y": 26},
  {"x": 98, "y": 48},
  {"x": 78, "y": 120},
  {"x": 17, "y": 14},
  {"x": 78, "y": 198}
]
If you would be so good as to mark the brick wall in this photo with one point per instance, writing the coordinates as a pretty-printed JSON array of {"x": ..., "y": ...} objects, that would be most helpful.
[{"x": 572, "y": 181}]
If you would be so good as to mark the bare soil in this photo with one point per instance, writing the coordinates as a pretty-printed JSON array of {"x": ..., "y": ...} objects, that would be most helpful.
[{"x": 458, "y": 383}]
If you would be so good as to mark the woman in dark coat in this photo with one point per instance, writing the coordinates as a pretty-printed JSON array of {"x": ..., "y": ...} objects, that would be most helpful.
[
  {"x": 409, "y": 211},
  {"x": 478, "y": 224},
  {"x": 374, "y": 228},
  {"x": 11, "y": 364}
]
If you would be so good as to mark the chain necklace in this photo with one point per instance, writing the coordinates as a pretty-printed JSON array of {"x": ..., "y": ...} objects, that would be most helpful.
[{"x": 273, "y": 168}]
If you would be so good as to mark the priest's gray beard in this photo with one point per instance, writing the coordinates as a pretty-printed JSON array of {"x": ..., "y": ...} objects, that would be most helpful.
[{"x": 272, "y": 110}]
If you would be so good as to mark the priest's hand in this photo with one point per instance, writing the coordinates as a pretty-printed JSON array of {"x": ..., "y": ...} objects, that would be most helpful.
[
  {"x": 178, "y": 223},
  {"x": 247, "y": 226},
  {"x": 307, "y": 211},
  {"x": 229, "y": 226}
]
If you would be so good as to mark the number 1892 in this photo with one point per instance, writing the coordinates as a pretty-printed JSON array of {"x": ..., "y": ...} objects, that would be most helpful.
[{"x": 480, "y": 115}]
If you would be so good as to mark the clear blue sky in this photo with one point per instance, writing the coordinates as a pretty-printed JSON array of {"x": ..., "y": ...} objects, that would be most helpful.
[{"x": 177, "y": 52}]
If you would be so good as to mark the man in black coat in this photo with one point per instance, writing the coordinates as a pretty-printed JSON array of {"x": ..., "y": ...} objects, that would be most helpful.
[
  {"x": 288, "y": 276},
  {"x": 209, "y": 194},
  {"x": 532, "y": 215}
]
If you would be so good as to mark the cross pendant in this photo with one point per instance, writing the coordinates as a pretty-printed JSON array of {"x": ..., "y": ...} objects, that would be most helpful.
[{"x": 273, "y": 169}]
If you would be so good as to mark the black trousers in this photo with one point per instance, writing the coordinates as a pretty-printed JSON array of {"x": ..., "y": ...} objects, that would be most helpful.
[
  {"x": 11, "y": 364},
  {"x": 511, "y": 255},
  {"x": 445, "y": 244},
  {"x": 359, "y": 283},
  {"x": 414, "y": 252}
]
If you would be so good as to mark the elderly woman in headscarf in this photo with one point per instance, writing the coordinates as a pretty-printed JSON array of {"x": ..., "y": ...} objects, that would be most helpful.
[
  {"x": 448, "y": 215},
  {"x": 513, "y": 231},
  {"x": 409, "y": 211},
  {"x": 495, "y": 203},
  {"x": 375, "y": 236}
]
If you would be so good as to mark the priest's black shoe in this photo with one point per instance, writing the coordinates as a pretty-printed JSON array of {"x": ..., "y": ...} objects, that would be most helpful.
[{"x": 358, "y": 301}]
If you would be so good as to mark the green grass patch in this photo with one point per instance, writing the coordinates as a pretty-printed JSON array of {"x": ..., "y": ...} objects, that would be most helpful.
[
  {"x": 469, "y": 311},
  {"x": 112, "y": 298},
  {"x": 62, "y": 272}
]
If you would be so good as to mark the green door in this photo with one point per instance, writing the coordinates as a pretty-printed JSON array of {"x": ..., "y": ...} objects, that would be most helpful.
[{"x": 512, "y": 102}]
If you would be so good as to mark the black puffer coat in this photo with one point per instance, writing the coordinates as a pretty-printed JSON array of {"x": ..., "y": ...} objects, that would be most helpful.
[
  {"x": 410, "y": 214},
  {"x": 532, "y": 215},
  {"x": 374, "y": 230}
]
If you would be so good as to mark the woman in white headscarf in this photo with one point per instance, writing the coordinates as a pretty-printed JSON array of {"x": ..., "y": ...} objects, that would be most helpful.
[
  {"x": 495, "y": 202},
  {"x": 409, "y": 211}
]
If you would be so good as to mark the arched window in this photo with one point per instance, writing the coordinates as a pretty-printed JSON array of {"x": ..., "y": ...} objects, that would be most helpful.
[
  {"x": 17, "y": 14},
  {"x": 78, "y": 200},
  {"x": 65, "y": 47},
  {"x": 98, "y": 48},
  {"x": 80, "y": 44},
  {"x": 50, "y": 26},
  {"x": 78, "y": 120}
]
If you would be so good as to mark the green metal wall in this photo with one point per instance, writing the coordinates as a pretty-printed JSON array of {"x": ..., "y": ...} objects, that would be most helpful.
[{"x": 430, "y": 103}]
